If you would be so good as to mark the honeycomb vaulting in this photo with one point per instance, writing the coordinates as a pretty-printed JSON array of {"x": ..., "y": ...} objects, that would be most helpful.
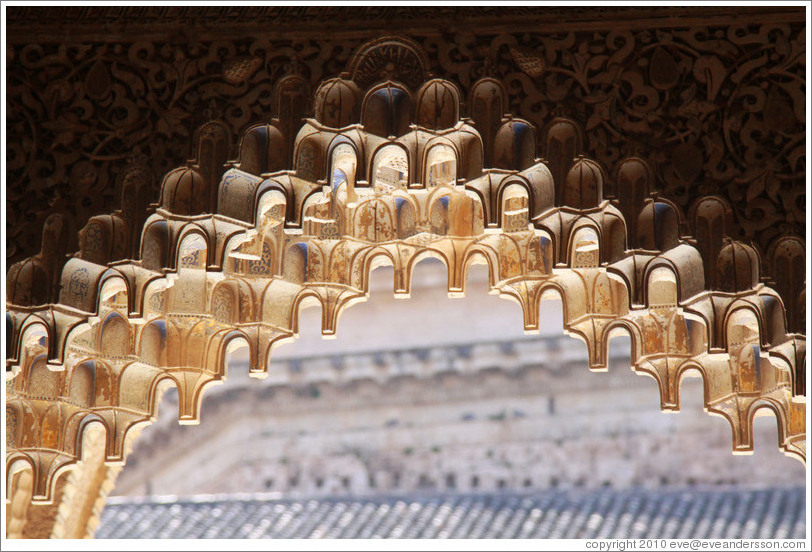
[{"x": 384, "y": 174}]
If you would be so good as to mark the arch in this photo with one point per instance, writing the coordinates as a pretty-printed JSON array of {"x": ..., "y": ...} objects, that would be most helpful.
[
  {"x": 478, "y": 253},
  {"x": 755, "y": 410},
  {"x": 515, "y": 145},
  {"x": 386, "y": 110},
  {"x": 271, "y": 204},
  {"x": 42, "y": 381},
  {"x": 658, "y": 226},
  {"x": 712, "y": 221},
  {"x": 468, "y": 143},
  {"x": 155, "y": 246},
  {"x": 774, "y": 329},
  {"x": 465, "y": 218},
  {"x": 742, "y": 338},
  {"x": 28, "y": 283},
  {"x": 309, "y": 155},
  {"x": 415, "y": 260},
  {"x": 632, "y": 184},
  {"x": 236, "y": 193},
  {"x": 391, "y": 223},
  {"x": 438, "y": 215},
  {"x": 113, "y": 338},
  {"x": 82, "y": 384},
  {"x": 373, "y": 258},
  {"x": 564, "y": 141},
  {"x": 405, "y": 216},
  {"x": 80, "y": 284},
  {"x": 686, "y": 263},
  {"x": 141, "y": 386},
  {"x": 336, "y": 103},
  {"x": 316, "y": 213},
  {"x": 294, "y": 264},
  {"x": 738, "y": 267},
  {"x": 193, "y": 248},
  {"x": 742, "y": 323},
  {"x": 613, "y": 243},
  {"x": 584, "y": 247},
  {"x": 344, "y": 165},
  {"x": 225, "y": 303},
  {"x": 787, "y": 262},
  {"x": 306, "y": 298},
  {"x": 103, "y": 239},
  {"x": 689, "y": 368},
  {"x": 661, "y": 288},
  {"x": 541, "y": 188},
  {"x": 185, "y": 191},
  {"x": 584, "y": 187},
  {"x": 390, "y": 166},
  {"x": 437, "y": 105},
  {"x": 514, "y": 204},
  {"x": 619, "y": 327},
  {"x": 114, "y": 293},
  {"x": 159, "y": 344},
  {"x": 51, "y": 427},
  {"x": 228, "y": 341},
  {"x": 263, "y": 150},
  {"x": 440, "y": 164},
  {"x": 33, "y": 337},
  {"x": 488, "y": 103}
]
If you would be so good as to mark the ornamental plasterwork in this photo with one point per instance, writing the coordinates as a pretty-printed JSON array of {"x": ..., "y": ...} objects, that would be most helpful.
[
  {"x": 710, "y": 98},
  {"x": 386, "y": 172}
]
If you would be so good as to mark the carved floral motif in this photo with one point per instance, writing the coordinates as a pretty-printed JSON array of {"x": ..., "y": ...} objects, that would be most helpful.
[{"x": 714, "y": 110}]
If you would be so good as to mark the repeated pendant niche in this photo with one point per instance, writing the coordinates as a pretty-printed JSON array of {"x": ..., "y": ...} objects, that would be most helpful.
[
  {"x": 386, "y": 111},
  {"x": 584, "y": 185},
  {"x": 438, "y": 105},
  {"x": 262, "y": 150},
  {"x": 392, "y": 178},
  {"x": 787, "y": 262},
  {"x": 515, "y": 145},
  {"x": 488, "y": 105},
  {"x": 737, "y": 267},
  {"x": 185, "y": 192},
  {"x": 632, "y": 185},
  {"x": 564, "y": 142},
  {"x": 658, "y": 226},
  {"x": 337, "y": 103},
  {"x": 712, "y": 219},
  {"x": 35, "y": 281}
]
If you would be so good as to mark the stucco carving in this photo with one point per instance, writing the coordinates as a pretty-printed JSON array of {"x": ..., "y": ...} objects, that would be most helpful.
[
  {"x": 714, "y": 106},
  {"x": 388, "y": 172}
]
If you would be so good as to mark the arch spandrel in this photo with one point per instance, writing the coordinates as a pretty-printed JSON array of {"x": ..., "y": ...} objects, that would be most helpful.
[{"x": 313, "y": 230}]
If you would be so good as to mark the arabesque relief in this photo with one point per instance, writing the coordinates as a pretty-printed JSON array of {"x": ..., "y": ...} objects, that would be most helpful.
[{"x": 387, "y": 172}]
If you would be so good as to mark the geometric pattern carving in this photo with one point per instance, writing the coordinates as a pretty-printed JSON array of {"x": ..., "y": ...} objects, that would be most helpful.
[{"x": 388, "y": 172}]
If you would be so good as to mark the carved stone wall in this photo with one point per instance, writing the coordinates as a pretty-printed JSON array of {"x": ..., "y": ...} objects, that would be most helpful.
[{"x": 712, "y": 99}]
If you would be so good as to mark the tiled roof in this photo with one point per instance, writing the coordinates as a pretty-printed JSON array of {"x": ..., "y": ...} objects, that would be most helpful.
[{"x": 636, "y": 513}]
